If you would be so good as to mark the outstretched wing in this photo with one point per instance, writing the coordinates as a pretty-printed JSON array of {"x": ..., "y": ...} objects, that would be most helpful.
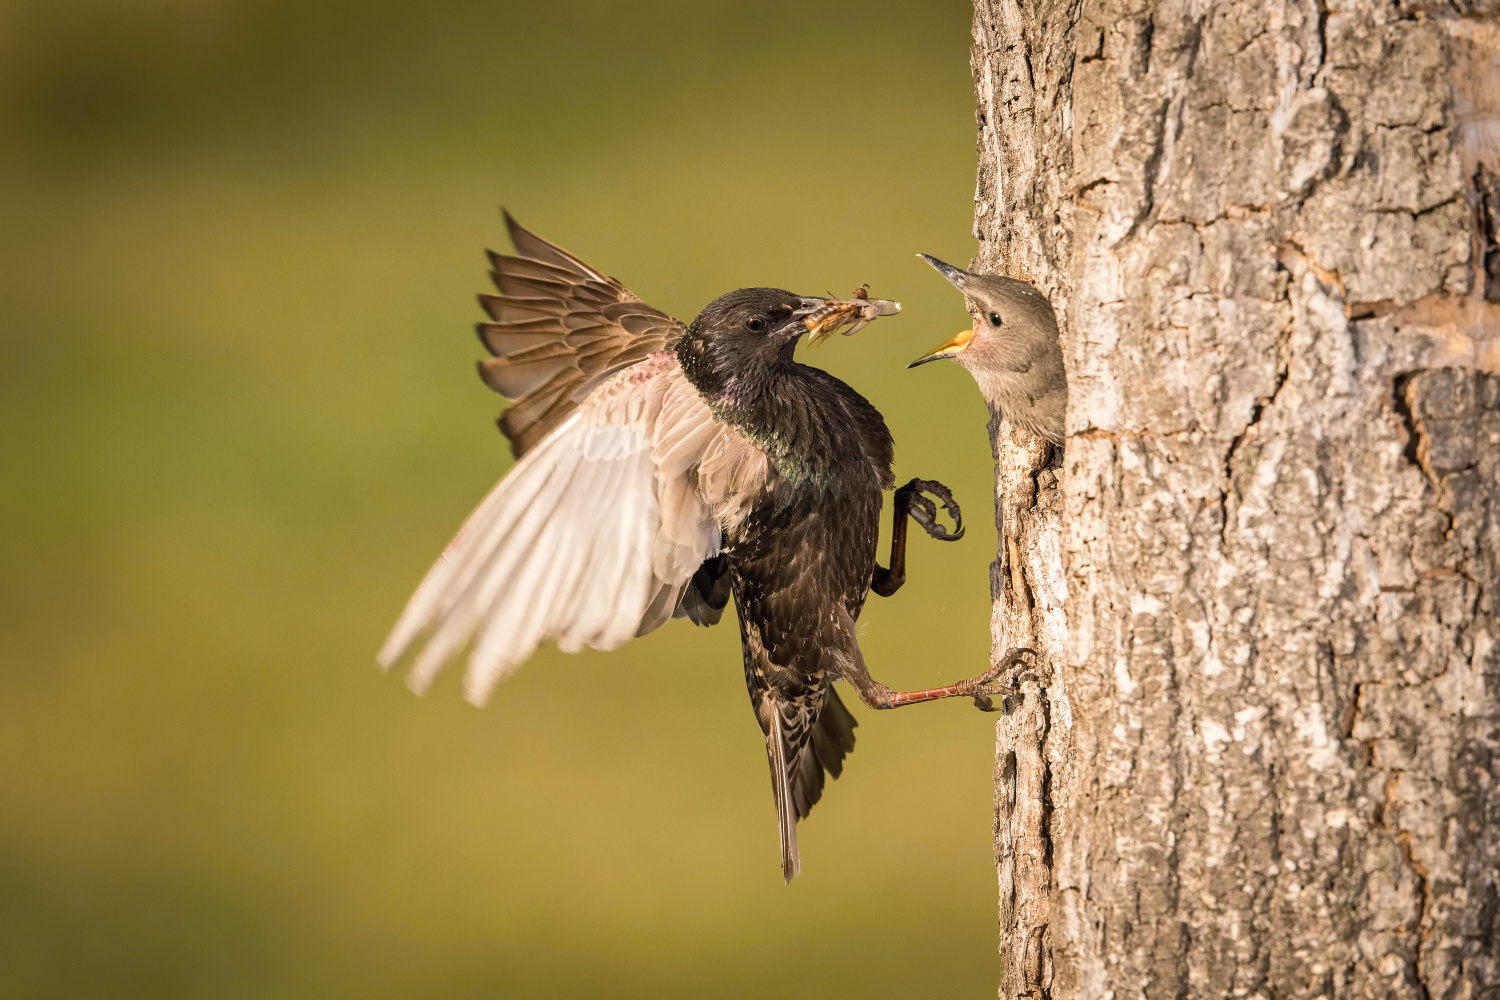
[
  {"x": 558, "y": 326},
  {"x": 592, "y": 537}
]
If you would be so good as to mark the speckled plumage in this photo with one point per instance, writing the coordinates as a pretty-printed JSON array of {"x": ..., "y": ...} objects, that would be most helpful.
[
  {"x": 802, "y": 561},
  {"x": 661, "y": 470}
]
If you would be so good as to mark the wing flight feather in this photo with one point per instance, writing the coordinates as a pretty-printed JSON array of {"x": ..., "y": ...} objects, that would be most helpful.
[
  {"x": 591, "y": 538},
  {"x": 557, "y": 327}
]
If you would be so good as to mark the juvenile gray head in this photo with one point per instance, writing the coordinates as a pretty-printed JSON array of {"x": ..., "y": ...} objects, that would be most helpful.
[{"x": 1012, "y": 350}]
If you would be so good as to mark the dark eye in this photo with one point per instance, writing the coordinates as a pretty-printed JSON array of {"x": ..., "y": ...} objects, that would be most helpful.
[
  {"x": 994, "y": 319},
  {"x": 755, "y": 324}
]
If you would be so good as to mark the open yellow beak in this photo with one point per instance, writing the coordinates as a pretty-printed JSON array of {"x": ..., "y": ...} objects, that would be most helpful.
[{"x": 949, "y": 349}]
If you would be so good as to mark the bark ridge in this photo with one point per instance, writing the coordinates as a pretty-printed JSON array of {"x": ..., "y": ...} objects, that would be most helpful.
[{"x": 1260, "y": 758}]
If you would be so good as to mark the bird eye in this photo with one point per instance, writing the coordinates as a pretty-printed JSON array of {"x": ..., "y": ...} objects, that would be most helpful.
[
  {"x": 755, "y": 324},
  {"x": 994, "y": 319}
]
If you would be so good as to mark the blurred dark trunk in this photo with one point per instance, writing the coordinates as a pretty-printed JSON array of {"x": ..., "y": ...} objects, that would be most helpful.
[{"x": 1259, "y": 756}]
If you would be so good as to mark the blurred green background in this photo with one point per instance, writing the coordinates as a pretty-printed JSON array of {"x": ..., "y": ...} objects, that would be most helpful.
[{"x": 239, "y": 246}]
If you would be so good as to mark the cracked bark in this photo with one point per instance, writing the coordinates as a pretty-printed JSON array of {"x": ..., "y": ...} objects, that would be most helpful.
[{"x": 1258, "y": 756}]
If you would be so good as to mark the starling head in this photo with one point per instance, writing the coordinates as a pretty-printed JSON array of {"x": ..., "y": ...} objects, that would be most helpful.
[
  {"x": 1006, "y": 313},
  {"x": 754, "y": 319},
  {"x": 736, "y": 346},
  {"x": 1012, "y": 350}
]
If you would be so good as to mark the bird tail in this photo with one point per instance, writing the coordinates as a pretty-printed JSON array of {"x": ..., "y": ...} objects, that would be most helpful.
[
  {"x": 805, "y": 737},
  {"x": 786, "y": 811}
]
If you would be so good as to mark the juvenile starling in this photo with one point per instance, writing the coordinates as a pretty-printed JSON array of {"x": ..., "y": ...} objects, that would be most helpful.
[
  {"x": 662, "y": 468},
  {"x": 1012, "y": 350}
]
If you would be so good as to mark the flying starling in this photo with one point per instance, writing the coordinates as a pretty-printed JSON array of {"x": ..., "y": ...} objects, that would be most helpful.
[
  {"x": 1012, "y": 350},
  {"x": 662, "y": 469}
]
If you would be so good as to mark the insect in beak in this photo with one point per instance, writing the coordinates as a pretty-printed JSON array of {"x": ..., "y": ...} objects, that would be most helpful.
[{"x": 827, "y": 316}]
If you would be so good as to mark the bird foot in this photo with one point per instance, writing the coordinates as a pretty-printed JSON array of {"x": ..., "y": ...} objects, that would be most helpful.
[
  {"x": 988, "y": 683},
  {"x": 924, "y": 511}
]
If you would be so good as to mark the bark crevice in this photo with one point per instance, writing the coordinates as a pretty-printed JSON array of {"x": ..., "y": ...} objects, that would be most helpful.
[{"x": 1259, "y": 754}]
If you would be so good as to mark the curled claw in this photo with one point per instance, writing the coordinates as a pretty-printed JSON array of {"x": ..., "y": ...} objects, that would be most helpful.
[
  {"x": 989, "y": 683},
  {"x": 986, "y": 692},
  {"x": 1015, "y": 660},
  {"x": 924, "y": 511},
  {"x": 1019, "y": 656}
]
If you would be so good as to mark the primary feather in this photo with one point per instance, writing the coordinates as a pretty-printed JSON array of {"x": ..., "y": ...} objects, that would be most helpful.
[{"x": 620, "y": 504}]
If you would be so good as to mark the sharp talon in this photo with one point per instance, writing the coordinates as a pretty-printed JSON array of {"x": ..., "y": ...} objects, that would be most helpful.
[
  {"x": 1013, "y": 657},
  {"x": 1011, "y": 661},
  {"x": 918, "y": 487}
]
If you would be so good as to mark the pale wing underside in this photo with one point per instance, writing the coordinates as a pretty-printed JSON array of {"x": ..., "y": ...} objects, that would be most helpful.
[{"x": 591, "y": 538}]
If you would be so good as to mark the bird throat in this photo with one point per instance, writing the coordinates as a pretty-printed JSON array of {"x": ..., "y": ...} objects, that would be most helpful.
[
  {"x": 758, "y": 392},
  {"x": 735, "y": 377}
]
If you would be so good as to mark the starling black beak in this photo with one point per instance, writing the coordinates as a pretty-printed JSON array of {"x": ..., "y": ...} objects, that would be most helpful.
[{"x": 809, "y": 305}]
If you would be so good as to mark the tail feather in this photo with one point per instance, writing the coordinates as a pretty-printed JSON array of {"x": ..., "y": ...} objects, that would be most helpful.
[
  {"x": 799, "y": 753},
  {"x": 707, "y": 594},
  {"x": 833, "y": 736},
  {"x": 786, "y": 811}
]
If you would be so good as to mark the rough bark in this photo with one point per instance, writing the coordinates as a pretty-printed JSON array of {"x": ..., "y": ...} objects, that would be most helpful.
[
  {"x": 1258, "y": 757},
  {"x": 1033, "y": 735}
]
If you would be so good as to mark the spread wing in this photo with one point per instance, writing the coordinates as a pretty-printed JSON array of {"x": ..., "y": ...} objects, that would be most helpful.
[
  {"x": 558, "y": 327},
  {"x": 592, "y": 537}
]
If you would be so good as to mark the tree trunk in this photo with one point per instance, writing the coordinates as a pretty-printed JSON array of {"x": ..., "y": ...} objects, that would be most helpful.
[{"x": 1258, "y": 757}]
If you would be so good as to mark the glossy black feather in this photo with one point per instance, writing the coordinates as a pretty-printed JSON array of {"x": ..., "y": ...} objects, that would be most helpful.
[
  {"x": 801, "y": 562},
  {"x": 799, "y": 565}
]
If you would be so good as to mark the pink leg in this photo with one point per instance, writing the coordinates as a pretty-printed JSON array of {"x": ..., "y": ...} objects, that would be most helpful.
[{"x": 877, "y": 695}]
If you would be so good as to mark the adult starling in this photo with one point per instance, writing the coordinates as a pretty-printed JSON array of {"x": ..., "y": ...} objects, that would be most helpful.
[
  {"x": 662, "y": 468},
  {"x": 1012, "y": 350}
]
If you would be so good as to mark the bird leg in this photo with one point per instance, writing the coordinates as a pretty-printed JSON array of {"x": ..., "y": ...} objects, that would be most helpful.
[
  {"x": 876, "y": 695},
  {"x": 910, "y": 502}
]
